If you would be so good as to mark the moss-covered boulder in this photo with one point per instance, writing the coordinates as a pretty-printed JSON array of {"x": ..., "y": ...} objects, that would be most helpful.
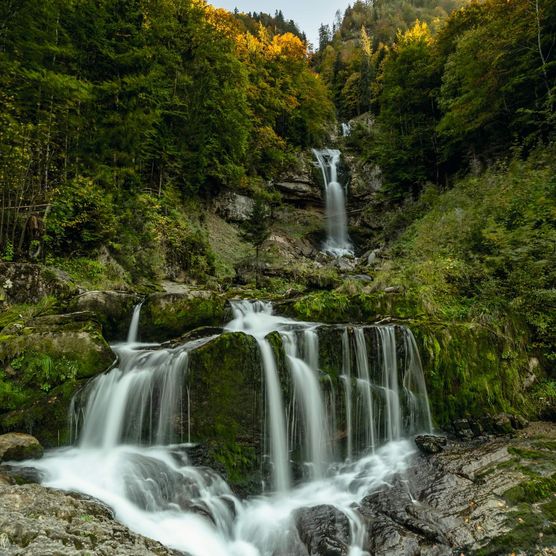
[
  {"x": 19, "y": 446},
  {"x": 42, "y": 363},
  {"x": 224, "y": 382},
  {"x": 168, "y": 315},
  {"x": 112, "y": 309}
]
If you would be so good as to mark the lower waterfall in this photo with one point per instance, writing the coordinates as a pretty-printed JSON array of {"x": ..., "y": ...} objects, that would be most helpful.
[{"x": 334, "y": 432}]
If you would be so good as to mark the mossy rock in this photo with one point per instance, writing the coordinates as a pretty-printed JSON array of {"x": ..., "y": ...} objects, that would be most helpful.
[
  {"x": 19, "y": 446},
  {"x": 471, "y": 370},
  {"x": 75, "y": 338},
  {"x": 339, "y": 307},
  {"x": 42, "y": 363},
  {"x": 225, "y": 389},
  {"x": 168, "y": 315},
  {"x": 112, "y": 309},
  {"x": 29, "y": 283}
]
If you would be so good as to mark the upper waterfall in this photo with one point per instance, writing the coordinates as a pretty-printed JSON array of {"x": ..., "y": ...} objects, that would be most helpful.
[{"x": 337, "y": 241}]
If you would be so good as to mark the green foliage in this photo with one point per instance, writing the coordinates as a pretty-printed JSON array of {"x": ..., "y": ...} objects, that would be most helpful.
[
  {"x": 81, "y": 219},
  {"x": 485, "y": 251},
  {"x": 8, "y": 252}
]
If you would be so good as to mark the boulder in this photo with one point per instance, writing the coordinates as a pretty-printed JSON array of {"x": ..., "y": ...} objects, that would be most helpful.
[
  {"x": 112, "y": 309},
  {"x": 503, "y": 424},
  {"x": 17, "y": 446},
  {"x": 430, "y": 444},
  {"x": 29, "y": 283},
  {"x": 169, "y": 315},
  {"x": 233, "y": 207},
  {"x": 324, "y": 530},
  {"x": 35, "y": 520}
]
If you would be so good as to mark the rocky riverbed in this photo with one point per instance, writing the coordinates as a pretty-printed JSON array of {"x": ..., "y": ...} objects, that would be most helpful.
[{"x": 492, "y": 495}]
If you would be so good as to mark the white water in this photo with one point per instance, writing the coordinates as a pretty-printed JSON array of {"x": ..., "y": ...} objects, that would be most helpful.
[
  {"x": 337, "y": 241},
  {"x": 124, "y": 416},
  {"x": 346, "y": 130},
  {"x": 134, "y": 325}
]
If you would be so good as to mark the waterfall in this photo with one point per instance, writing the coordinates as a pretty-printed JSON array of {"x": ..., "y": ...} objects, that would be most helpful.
[
  {"x": 337, "y": 241},
  {"x": 131, "y": 422}
]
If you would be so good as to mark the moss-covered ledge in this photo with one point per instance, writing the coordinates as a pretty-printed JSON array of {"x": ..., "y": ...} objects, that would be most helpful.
[
  {"x": 42, "y": 363},
  {"x": 472, "y": 370},
  {"x": 169, "y": 315}
]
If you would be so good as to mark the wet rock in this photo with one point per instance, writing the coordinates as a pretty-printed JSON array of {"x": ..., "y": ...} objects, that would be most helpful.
[
  {"x": 112, "y": 309},
  {"x": 324, "y": 530},
  {"x": 430, "y": 444},
  {"x": 35, "y": 521},
  {"x": 18, "y": 446}
]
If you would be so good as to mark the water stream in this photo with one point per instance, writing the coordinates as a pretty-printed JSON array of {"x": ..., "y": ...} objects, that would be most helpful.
[{"x": 131, "y": 422}]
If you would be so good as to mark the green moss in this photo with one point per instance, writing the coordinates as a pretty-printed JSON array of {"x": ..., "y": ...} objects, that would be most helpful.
[
  {"x": 471, "y": 369},
  {"x": 535, "y": 490},
  {"x": 166, "y": 316},
  {"x": 530, "y": 531},
  {"x": 224, "y": 380}
]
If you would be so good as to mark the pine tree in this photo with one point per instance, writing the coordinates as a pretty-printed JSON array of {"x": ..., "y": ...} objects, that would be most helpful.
[{"x": 256, "y": 230}]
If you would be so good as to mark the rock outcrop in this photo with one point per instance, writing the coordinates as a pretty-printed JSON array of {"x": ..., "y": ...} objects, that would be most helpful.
[
  {"x": 112, "y": 309},
  {"x": 36, "y": 521},
  {"x": 44, "y": 362},
  {"x": 17, "y": 446}
]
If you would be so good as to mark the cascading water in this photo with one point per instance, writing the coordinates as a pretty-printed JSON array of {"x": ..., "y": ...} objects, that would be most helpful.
[
  {"x": 337, "y": 241},
  {"x": 127, "y": 418}
]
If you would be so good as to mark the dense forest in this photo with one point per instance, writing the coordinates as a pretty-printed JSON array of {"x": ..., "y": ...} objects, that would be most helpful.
[{"x": 116, "y": 113}]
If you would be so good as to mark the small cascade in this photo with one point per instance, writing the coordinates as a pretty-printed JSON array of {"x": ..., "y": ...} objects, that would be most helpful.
[
  {"x": 346, "y": 129},
  {"x": 341, "y": 411},
  {"x": 337, "y": 241},
  {"x": 134, "y": 325}
]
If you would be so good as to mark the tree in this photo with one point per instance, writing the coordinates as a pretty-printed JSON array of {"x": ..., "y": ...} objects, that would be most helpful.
[{"x": 256, "y": 230}]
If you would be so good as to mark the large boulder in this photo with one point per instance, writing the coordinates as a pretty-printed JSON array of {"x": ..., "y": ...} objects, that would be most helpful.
[
  {"x": 29, "y": 283},
  {"x": 324, "y": 530},
  {"x": 112, "y": 309},
  {"x": 233, "y": 207},
  {"x": 169, "y": 315},
  {"x": 19, "y": 446},
  {"x": 42, "y": 363},
  {"x": 224, "y": 386},
  {"x": 36, "y": 521}
]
